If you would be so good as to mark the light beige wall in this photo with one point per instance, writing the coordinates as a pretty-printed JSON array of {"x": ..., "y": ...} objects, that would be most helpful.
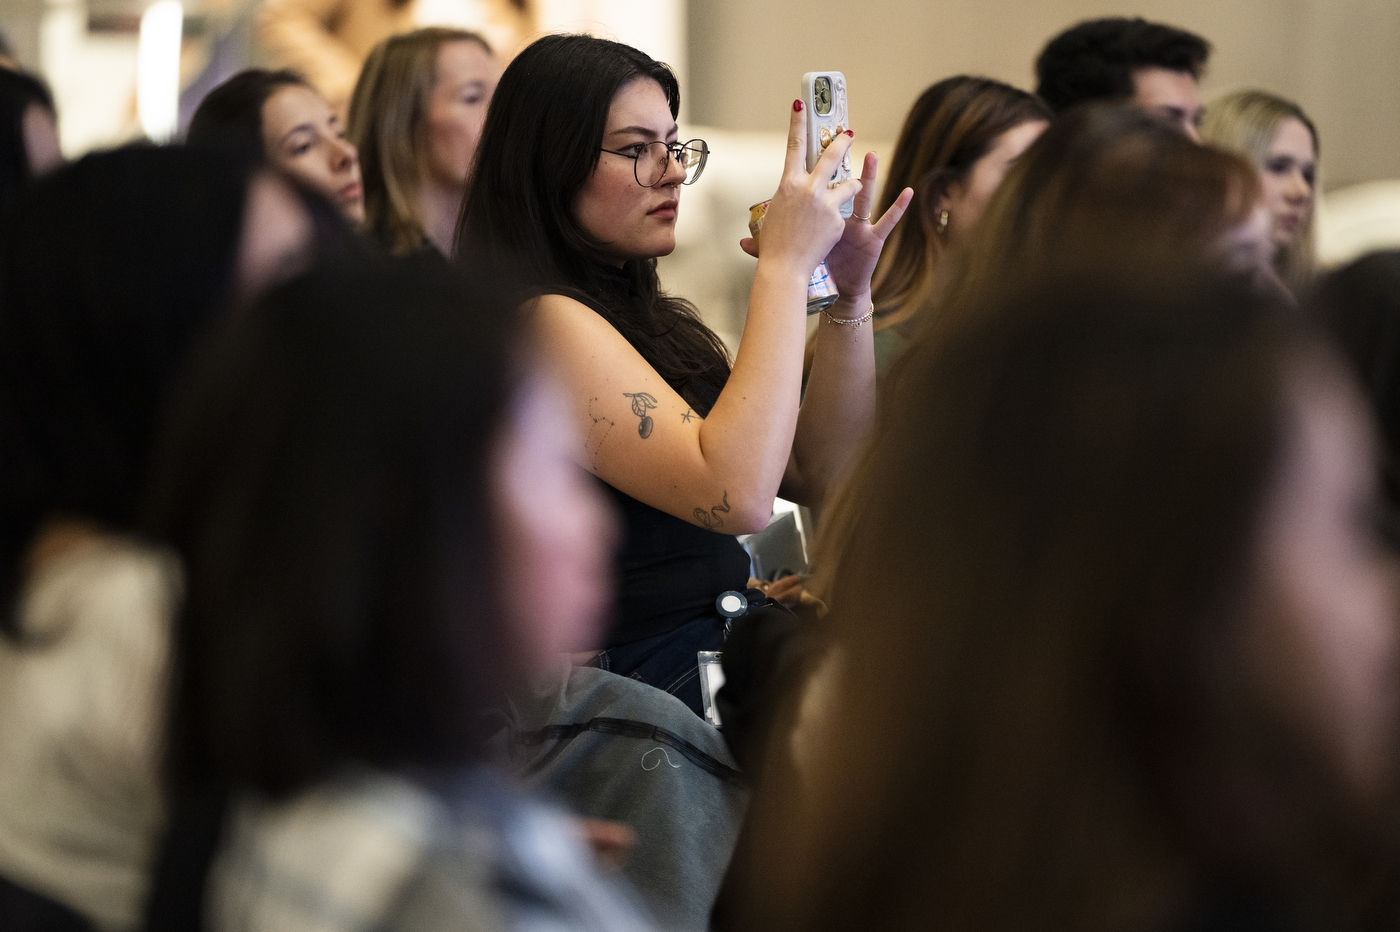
[{"x": 1339, "y": 58}]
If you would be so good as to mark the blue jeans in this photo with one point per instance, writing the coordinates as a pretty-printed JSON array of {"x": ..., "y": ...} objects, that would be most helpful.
[{"x": 667, "y": 661}]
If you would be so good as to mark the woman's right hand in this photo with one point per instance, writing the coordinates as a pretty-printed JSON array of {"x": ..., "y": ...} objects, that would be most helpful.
[{"x": 804, "y": 218}]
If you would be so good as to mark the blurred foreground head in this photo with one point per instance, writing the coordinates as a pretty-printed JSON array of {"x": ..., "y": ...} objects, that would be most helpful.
[
  {"x": 1114, "y": 633},
  {"x": 28, "y": 134},
  {"x": 1359, "y": 304},
  {"x": 361, "y": 467},
  {"x": 1110, "y": 190},
  {"x": 122, "y": 260}
]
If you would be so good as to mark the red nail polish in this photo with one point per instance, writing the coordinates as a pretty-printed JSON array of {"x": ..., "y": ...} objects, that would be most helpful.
[
  {"x": 797, "y": 106},
  {"x": 850, "y": 132}
]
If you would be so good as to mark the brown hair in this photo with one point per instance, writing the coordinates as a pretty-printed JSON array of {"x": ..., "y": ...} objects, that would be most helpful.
[
  {"x": 1035, "y": 623},
  {"x": 387, "y": 111},
  {"x": 950, "y": 127},
  {"x": 1106, "y": 187},
  {"x": 1247, "y": 122}
]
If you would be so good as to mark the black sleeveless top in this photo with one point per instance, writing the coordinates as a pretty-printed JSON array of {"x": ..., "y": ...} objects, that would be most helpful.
[{"x": 667, "y": 571}]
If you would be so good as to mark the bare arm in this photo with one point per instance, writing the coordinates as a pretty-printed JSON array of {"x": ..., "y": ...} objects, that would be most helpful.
[
  {"x": 839, "y": 408},
  {"x": 723, "y": 471}
]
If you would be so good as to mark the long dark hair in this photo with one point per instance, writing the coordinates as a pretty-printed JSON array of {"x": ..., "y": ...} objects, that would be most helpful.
[
  {"x": 327, "y": 479},
  {"x": 542, "y": 139},
  {"x": 1038, "y": 619},
  {"x": 125, "y": 257},
  {"x": 231, "y": 114}
]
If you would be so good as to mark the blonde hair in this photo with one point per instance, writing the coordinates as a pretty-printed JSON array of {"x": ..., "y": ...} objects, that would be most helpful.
[
  {"x": 386, "y": 113},
  {"x": 1248, "y": 122}
]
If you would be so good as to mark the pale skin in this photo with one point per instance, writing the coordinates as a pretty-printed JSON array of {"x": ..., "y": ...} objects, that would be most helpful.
[
  {"x": 1288, "y": 177},
  {"x": 41, "y": 140},
  {"x": 723, "y": 471},
  {"x": 304, "y": 139},
  {"x": 967, "y": 199},
  {"x": 1174, "y": 95},
  {"x": 465, "y": 76}
]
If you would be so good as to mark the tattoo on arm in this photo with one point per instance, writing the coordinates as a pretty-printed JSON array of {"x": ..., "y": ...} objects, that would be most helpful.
[
  {"x": 711, "y": 519},
  {"x": 689, "y": 416},
  {"x": 642, "y": 402},
  {"x": 602, "y": 426}
]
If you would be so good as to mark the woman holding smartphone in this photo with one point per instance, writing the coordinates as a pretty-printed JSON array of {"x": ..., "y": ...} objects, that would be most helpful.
[{"x": 576, "y": 190}]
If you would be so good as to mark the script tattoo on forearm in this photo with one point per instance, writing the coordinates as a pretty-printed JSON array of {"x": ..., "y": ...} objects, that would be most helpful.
[
  {"x": 711, "y": 519},
  {"x": 642, "y": 402}
]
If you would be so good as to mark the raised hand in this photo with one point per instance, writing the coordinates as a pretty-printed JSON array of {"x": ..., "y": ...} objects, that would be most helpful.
[
  {"x": 804, "y": 219},
  {"x": 852, "y": 259}
]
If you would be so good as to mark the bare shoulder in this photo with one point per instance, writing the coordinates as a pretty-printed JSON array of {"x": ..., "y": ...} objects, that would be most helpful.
[{"x": 560, "y": 314}]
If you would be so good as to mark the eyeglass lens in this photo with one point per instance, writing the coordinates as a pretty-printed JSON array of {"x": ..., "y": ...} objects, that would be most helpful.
[{"x": 655, "y": 159}]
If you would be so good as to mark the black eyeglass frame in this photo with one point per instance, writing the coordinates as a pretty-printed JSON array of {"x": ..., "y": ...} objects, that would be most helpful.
[{"x": 674, "y": 150}]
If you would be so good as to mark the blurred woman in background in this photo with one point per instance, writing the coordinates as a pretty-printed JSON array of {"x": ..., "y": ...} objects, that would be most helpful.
[
  {"x": 1114, "y": 635},
  {"x": 958, "y": 142},
  {"x": 361, "y": 479},
  {"x": 1279, "y": 139},
  {"x": 127, "y": 256},
  {"x": 279, "y": 117},
  {"x": 416, "y": 117}
]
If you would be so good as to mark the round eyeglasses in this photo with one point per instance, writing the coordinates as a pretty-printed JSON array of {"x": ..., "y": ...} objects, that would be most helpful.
[{"x": 650, "y": 160}]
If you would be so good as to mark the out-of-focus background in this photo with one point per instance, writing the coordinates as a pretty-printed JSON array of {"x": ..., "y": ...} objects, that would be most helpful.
[{"x": 740, "y": 62}]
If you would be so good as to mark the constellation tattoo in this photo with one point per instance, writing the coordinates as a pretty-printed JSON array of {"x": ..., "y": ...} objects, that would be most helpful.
[
  {"x": 642, "y": 402},
  {"x": 711, "y": 519},
  {"x": 602, "y": 426}
]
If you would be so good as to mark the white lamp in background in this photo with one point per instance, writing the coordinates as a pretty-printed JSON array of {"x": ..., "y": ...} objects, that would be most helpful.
[{"x": 158, "y": 69}]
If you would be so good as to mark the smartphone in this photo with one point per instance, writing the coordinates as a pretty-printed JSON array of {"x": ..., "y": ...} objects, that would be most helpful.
[{"x": 824, "y": 101}]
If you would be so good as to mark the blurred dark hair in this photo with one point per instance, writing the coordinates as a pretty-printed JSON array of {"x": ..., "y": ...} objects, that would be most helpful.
[
  {"x": 124, "y": 257},
  {"x": 327, "y": 479},
  {"x": 231, "y": 114},
  {"x": 950, "y": 127},
  {"x": 1360, "y": 305},
  {"x": 1095, "y": 60},
  {"x": 1039, "y": 717},
  {"x": 542, "y": 139},
  {"x": 18, "y": 92}
]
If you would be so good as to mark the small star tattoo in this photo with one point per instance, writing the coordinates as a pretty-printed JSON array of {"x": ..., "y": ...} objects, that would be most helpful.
[{"x": 686, "y": 417}]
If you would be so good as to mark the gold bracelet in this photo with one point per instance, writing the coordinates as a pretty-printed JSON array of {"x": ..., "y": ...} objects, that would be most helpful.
[{"x": 851, "y": 321}]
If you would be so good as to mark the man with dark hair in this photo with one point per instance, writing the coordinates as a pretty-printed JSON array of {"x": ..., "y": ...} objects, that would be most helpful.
[{"x": 1155, "y": 66}]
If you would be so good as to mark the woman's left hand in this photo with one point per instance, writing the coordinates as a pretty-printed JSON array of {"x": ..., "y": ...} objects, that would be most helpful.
[{"x": 852, "y": 260}]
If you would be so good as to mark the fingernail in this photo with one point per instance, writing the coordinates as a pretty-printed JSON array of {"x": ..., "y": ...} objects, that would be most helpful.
[
  {"x": 850, "y": 132},
  {"x": 797, "y": 106}
]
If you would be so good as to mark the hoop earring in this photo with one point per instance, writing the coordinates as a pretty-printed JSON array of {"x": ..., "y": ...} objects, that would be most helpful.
[{"x": 942, "y": 222}]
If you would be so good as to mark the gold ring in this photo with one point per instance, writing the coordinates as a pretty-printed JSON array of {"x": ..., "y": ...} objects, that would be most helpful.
[{"x": 865, "y": 219}]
